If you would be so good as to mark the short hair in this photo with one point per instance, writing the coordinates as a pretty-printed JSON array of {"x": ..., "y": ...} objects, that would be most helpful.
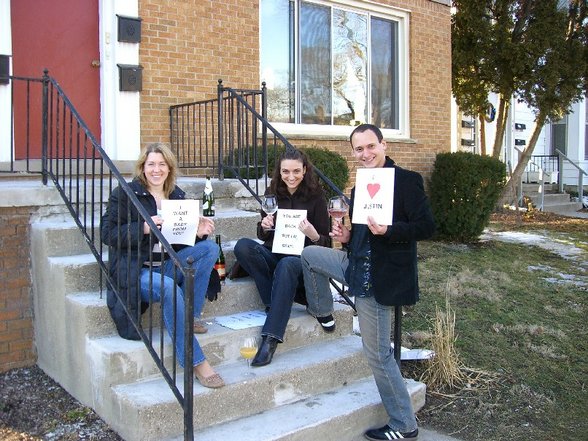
[
  {"x": 170, "y": 159},
  {"x": 364, "y": 128}
]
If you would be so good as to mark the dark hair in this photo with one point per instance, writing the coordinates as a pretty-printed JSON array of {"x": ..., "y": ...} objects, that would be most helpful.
[
  {"x": 364, "y": 128},
  {"x": 309, "y": 186}
]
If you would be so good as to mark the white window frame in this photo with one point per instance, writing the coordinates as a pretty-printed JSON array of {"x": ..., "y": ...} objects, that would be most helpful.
[{"x": 402, "y": 17}]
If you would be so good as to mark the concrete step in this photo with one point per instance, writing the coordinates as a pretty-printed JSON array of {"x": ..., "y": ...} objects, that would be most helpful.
[
  {"x": 558, "y": 203},
  {"x": 312, "y": 373},
  {"x": 63, "y": 237},
  {"x": 220, "y": 344},
  {"x": 295, "y": 375},
  {"x": 90, "y": 306},
  {"x": 339, "y": 415}
]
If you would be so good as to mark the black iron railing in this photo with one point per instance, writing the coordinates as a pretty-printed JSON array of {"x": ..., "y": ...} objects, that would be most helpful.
[
  {"x": 45, "y": 121},
  {"x": 230, "y": 136}
]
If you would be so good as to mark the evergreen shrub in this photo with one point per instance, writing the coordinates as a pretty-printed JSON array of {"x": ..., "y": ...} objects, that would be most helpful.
[{"x": 464, "y": 190}]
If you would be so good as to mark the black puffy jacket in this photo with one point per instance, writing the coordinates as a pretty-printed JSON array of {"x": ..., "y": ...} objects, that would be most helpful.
[{"x": 122, "y": 230}]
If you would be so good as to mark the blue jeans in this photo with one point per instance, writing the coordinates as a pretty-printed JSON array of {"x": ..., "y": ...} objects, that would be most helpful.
[
  {"x": 319, "y": 264},
  {"x": 205, "y": 254},
  {"x": 277, "y": 277}
]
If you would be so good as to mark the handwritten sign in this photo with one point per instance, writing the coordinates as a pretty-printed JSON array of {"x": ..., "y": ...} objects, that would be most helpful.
[
  {"x": 288, "y": 239},
  {"x": 374, "y": 195},
  {"x": 180, "y": 220}
]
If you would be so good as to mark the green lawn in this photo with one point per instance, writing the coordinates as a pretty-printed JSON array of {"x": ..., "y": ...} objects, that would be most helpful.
[{"x": 521, "y": 320}]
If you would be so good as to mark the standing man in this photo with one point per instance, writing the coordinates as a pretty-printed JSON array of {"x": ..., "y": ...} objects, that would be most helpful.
[{"x": 379, "y": 264}]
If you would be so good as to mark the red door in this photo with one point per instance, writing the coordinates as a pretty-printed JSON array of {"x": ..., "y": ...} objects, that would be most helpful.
[{"x": 61, "y": 36}]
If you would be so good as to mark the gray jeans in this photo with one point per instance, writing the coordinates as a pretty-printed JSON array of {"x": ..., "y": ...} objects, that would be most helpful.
[{"x": 320, "y": 264}]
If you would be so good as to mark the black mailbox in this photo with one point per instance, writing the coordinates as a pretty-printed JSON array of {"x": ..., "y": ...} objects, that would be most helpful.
[
  {"x": 130, "y": 77},
  {"x": 468, "y": 142},
  {"x": 4, "y": 69},
  {"x": 520, "y": 126},
  {"x": 129, "y": 29},
  {"x": 520, "y": 142},
  {"x": 467, "y": 124}
]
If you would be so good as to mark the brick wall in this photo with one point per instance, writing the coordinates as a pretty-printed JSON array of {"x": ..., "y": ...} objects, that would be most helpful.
[
  {"x": 16, "y": 308},
  {"x": 188, "y": 45}
]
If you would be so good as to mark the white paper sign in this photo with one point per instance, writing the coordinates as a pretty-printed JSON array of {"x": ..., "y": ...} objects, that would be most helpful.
[
  {"x": 180, "y": 220},
  {"x": 242, "y": 320},
  {"x": 288, "y": 239},
  {"x": 374, "y": 195}
]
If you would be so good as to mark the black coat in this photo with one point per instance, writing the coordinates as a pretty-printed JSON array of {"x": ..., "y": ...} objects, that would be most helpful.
[
  {"x": 121, "y": 228},
  {"x": 393, "y": 261}
]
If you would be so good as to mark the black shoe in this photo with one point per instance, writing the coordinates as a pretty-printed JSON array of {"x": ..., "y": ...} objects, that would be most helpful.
[
  {"x": 266, "y": 351},
  {"x": 387, "y": 433},
  {"x": 328, "y": 323}
]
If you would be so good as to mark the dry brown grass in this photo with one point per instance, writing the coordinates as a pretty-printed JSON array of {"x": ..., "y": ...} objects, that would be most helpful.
[{"x": 444, "y": 370}]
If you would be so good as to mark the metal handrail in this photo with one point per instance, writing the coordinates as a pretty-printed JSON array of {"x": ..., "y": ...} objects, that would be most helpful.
[
  {"x": 581, "y": 173},
  {"x": 261, "y": 127},
  {"x": 541, "y": 183},
  {"x": 81, "y": 171}
]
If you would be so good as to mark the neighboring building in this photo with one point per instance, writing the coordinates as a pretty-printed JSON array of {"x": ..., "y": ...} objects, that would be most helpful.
[
  {"x": 569, "y": 135},
  {"x": 328, "y": 65}
]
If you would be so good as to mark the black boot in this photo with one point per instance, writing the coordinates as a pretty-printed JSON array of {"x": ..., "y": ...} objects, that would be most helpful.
[{"x": 266, "y": 351}]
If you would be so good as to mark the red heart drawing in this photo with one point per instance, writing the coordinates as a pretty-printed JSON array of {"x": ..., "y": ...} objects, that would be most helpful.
[{"x": 373, "y": 189}]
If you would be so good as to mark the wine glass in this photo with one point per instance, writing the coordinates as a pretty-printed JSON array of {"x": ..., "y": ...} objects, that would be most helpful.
[
  {"x": 269, "y": 204},
  {"x": 248, "y": 349},
  {"x": 338, "y": 208}
]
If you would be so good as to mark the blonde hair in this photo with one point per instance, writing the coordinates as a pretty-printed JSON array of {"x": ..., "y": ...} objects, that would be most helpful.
[{"x": 170, "y": 159}]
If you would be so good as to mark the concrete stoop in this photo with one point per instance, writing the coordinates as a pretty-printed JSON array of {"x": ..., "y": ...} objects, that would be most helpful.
[
  {"x": 558, "y": 203},
  {"x": 318, "y": 385}
]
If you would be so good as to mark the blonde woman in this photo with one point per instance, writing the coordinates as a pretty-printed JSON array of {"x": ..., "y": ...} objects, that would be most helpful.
[{"x": 155, "y": 179}]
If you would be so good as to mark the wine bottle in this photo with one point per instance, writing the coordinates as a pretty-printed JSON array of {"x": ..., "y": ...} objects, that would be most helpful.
[
  {"x": 208, "y": 199},
  {"x": 219, "y": 266}
]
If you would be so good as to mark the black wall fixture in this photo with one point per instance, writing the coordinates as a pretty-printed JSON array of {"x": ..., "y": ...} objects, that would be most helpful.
[
  {"x": 4, "y": 69},
  {"x": 129, "y": 29},
  {"x": 520, "y": 126},
  {"x": 520, "y": 142},
  {"x": 130, "y": 77}
]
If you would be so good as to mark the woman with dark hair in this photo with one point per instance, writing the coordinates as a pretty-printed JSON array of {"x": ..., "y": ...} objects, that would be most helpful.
[
  {"x": 135, "y": 261},
  {"x": 278, "y": 277}
]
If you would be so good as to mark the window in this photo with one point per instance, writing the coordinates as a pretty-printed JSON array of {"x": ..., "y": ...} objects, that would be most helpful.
[
  {"x": 329, "y": 65},
  {"x": 558, "y": 135}
]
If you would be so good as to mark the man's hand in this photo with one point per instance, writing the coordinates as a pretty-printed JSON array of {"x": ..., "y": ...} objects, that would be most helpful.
[
  {"x": 375, "y": 228},
  {"x": 340, "y": 232}
]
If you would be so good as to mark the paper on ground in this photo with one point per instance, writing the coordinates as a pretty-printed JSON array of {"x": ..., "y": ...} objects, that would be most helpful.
[
  {"x": 414, "y": 354},
  {"x": 243, "y": 320}
]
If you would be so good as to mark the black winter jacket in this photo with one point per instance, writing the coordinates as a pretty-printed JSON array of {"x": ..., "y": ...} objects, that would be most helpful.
[
  {"x": 121, "y": 228},
  {"x": 393, "y": 261}
]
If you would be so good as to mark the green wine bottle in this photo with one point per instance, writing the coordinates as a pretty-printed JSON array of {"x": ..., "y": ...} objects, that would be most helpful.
[
  {"x": 208, "y": 199},
  {"x": 219, "y": 266}
]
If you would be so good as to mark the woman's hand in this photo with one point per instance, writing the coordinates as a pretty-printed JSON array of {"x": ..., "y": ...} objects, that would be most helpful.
[
  {"x": 158, "y": 220},
  {"x": 309, "y": 231},
  {"x": 205, "y": 227},
  {"x": 267, "y": 223},
  {"x": 340, "y": 232}
]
